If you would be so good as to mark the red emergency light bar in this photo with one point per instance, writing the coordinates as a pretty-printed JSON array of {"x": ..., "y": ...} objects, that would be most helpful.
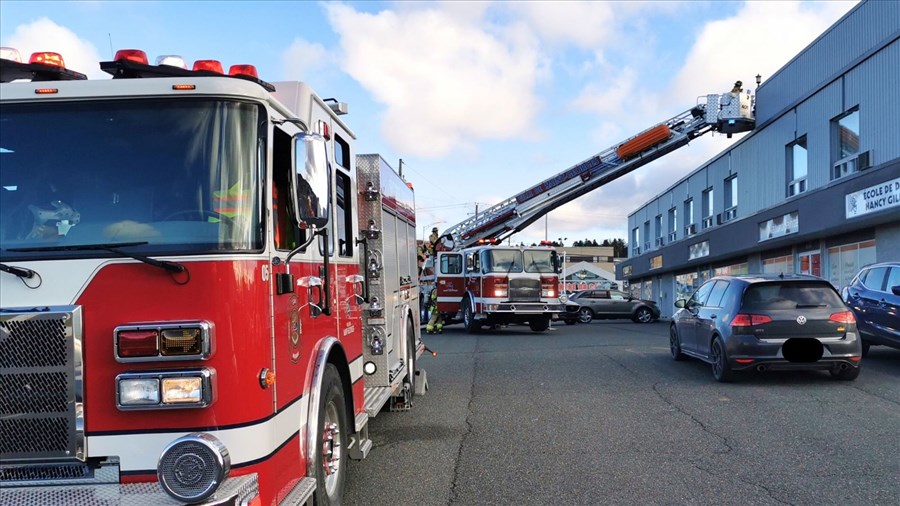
[
  {"x": 130, "y": 65},
  {"x": 42, "y": 66}
]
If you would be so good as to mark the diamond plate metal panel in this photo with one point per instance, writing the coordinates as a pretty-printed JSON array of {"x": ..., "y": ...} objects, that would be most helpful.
[{"x": 237, "y": 490}]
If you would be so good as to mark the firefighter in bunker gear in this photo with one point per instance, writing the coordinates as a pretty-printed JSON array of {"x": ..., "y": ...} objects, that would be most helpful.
[{"x": 436, "y": 323}]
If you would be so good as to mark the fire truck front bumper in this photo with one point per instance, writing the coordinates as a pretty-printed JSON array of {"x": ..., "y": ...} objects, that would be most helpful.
[
  {"x": 524, "y": 308},
  {"x": 236, "y": 491}
]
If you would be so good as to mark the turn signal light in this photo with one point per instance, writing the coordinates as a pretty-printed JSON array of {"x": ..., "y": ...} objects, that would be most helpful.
[
  {"x": 135, "y": 55},
  {"x": 137, "y": 343},
  {"x": 48, "y": 58}
]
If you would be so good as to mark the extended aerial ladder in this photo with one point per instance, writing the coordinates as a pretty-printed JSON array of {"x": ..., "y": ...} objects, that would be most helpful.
[{"x": 727, "y": 113}]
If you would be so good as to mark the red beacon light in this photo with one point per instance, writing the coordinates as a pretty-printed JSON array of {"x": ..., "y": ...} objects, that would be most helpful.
[
  {"x": 48, "y": 58},
  {"x": 243, "y": 70},
  {"x": 135, "y": 55},
  {"x": 209, "y": 65}
]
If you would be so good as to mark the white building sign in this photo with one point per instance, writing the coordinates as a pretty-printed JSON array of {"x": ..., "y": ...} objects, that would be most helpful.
[{"x": 874, "y": 198}]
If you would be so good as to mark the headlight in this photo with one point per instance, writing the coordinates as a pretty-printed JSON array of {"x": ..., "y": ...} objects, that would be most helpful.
[
  {"x": 193, "y": 388},
  {"x": 138, "y": 392}
]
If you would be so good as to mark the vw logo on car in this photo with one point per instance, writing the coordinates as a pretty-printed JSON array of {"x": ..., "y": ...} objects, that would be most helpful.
[{"x": 801, "y": 320}]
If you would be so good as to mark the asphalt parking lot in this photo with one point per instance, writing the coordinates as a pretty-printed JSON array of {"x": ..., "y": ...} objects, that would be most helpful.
[{"x": 600, "y": 414}]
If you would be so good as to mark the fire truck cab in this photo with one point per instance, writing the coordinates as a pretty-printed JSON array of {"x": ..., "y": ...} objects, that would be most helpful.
[{"x": 205, "y": 294}]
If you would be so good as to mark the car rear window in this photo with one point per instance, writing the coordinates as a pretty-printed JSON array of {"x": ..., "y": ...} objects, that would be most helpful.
[{"x": 781, "y": 295}]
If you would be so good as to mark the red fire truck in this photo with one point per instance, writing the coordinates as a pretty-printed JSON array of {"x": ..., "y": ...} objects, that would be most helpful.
[
  {"x": 489, "y": 285},
  {"x": 205, "y": 294}
]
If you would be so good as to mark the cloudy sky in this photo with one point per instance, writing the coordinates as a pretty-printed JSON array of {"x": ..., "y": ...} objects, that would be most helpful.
[{"x": 481, "y": 100}]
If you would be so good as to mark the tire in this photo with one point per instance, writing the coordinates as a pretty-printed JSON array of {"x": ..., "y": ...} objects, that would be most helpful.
[
  {"x": 469, "y": 322},
  {"x": 720, "y": 368},
  {"x": 675, "y": 345},
  {"x": 642, "y": 315},
  {"x": 331, "y": 440},
  {"x": 411, "y": 358},
  {"x": 539, "y": 324},
  {"x": 865, "y": 349},
  {"x": 585, "y": 315},
  {"x": 848, "y": 374}
]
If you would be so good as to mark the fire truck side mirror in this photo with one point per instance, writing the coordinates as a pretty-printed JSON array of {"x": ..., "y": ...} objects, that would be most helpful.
[
  {"x": 310, "y": 180},
  {"x": 557, "y": 263}
]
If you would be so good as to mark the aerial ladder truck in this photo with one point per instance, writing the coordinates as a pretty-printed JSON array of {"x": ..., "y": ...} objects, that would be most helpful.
[{"x": 475, "y": 295}]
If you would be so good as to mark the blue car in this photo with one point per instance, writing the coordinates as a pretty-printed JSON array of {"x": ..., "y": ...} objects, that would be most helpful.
[{"x": 874, "y": 297}]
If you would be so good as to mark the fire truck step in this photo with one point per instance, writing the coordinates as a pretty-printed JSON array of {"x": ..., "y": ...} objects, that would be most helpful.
[
  {"x": 375, "y": 398},
  {"x": 302, "y": 492}
]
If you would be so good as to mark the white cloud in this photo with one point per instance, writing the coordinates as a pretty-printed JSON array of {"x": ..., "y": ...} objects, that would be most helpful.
[
  {"x": 45, "y": 35},
  {"x": 303, "y": 59},
  {"x": 445, "y": 81},
  {"x": 581, "y": 24},
  {"x": 759, "y": 39}
]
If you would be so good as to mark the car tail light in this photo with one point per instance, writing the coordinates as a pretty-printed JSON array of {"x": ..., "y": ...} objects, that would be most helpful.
[
  {"x": 749, "y": 320},
  {"x": 843, "y": 317}
]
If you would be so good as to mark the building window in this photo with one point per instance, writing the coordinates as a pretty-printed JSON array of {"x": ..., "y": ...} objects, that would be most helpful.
[
  {"x": 731, "y": 198},
  {"x": 699, "y": 250},
  {"x": 656, "y": 262},
  {"x": 636, "y": 241},
  {"x": 731, "y": 270},
  {"x": 845, "y": 261},
  {"x": 779, "y": 265},
  {"x": 647, "y": 235},
  {"x": 673, "y": 224},
  {"x": 846, "y": 144},
  {"x": 659, "y": 231},
  {"x": 797, "y": 165},
  {"x": 707, "y": 208},
  {"x": 689, "y": 227}
]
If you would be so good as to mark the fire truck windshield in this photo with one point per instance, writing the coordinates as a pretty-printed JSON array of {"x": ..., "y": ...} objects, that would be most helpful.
[{"x": 179, "y": 175}]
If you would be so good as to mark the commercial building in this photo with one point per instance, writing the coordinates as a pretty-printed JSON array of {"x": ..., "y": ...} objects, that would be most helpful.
[{"x": 814, "y": 189}]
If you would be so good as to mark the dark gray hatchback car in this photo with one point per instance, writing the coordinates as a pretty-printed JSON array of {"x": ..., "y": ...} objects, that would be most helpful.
[{"x": 767, "y": 322}]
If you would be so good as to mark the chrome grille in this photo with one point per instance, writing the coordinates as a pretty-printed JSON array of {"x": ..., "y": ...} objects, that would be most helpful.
[
  {"x": 524, "y": 290},
  {"x": 40, "y": 384}
]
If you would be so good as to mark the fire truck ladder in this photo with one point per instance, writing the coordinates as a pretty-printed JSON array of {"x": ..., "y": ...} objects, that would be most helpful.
[{"x": 727, "y": 113}]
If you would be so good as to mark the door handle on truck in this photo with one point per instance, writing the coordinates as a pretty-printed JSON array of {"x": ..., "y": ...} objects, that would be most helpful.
[{"x": 312, "y": 283}]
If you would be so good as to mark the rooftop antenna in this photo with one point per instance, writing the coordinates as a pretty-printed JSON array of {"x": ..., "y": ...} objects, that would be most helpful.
[{"x": 111, "y": 54}]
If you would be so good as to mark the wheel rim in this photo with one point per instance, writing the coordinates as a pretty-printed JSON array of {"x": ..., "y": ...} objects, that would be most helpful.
[
  {"x": 673, "y": 342},
  {"x": 718, "y": 357},
  {"x": 584, "y": 315},
  {"x": 644, "y": 316},
  {"x": 331, "y": 448},
  {"x": 467, "y": 316}
]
